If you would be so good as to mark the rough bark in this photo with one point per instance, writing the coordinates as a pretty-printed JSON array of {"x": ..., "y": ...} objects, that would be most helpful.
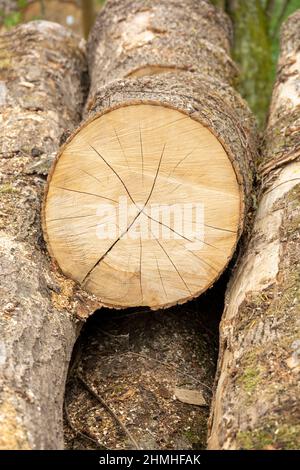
[
  {"x": 157, "y": 53},
  {"x": 256, "y": 403},
  {"x": 203, "y": 97},
  {"x": 42, "y": 67}
]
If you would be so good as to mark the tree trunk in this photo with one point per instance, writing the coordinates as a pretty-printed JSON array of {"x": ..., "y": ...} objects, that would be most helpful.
[
  {"x": 135, "y": 210},
  {"x": 41, "y": 94},
  {"x": 252, "y": 50},
  {"x": 256, "y": 403}
]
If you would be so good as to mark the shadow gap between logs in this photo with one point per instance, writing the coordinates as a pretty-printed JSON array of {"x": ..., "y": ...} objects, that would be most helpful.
[{"x": 136, "y": 374}]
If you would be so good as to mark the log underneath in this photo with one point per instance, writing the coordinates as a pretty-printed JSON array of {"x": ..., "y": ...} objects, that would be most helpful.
[
  {"x": 41, "y": 86},
  {"x": 147, "y": 200},
  {"x": 256, "y": 403}
]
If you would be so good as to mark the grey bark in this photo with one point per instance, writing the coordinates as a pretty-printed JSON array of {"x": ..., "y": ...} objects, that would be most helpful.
[
  {"x": 41, "y": 94},
  {"x": 130, "y": 36}
]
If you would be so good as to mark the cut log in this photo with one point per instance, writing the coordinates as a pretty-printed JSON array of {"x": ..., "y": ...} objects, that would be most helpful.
[
  {"x": 147, "y": 199},
  {"x": 256, "y": 403},
  {"x": 41, "y": 94},
  {"x": 153, "y": 370}
]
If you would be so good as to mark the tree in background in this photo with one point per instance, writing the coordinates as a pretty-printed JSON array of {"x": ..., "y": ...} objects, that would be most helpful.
[{"x": 256, "y": 26}]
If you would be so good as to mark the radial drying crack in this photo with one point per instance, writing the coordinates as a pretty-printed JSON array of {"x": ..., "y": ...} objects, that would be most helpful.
[
  {"x": 177, "y": 233},
  {"x": 180, "y": 161},
  {"x": 141, "y": 253},
  {"x": 91, "y": 176},
  {"x": 139, "y": 213},
  {"x": 72, "y": 217},
  {"x": 109, "y": 249},
  {"x": 155, "y": 178},
  {"x": 203, "y": 261}
]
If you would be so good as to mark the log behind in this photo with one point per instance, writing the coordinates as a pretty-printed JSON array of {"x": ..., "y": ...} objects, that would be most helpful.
[{"x": 256, "y": 403}]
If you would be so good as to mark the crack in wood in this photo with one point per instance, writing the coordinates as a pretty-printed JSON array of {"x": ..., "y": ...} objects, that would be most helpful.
[
  {"x": 147, "y": 215},
  {"x": 178, "y": 163},
  {"x": 84, "y": 192}
]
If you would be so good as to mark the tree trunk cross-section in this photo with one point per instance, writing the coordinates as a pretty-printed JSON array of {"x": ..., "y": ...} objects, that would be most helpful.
[
  {"x": 147, "y": 199},
  {"x": 256, "y": 403},
  {"x": 42, "y": 67}
]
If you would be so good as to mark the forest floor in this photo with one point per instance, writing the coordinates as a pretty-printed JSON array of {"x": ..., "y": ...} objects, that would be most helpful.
[{"x": 143, "y": 379}]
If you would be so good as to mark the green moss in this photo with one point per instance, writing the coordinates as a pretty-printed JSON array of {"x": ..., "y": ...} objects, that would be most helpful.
[
  {"x": 283, "y": 436},
  {"x": 196, "y": 436}
]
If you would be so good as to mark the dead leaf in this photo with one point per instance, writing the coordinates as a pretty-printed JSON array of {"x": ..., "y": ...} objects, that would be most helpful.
[{"x": 191, "y": 397}]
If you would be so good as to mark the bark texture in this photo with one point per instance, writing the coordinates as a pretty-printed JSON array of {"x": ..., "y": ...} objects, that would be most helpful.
[
  {"x": 42, "y": 67},
  {"x": 154, "y": 370},
  {"x": 256, "y": 403}
]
